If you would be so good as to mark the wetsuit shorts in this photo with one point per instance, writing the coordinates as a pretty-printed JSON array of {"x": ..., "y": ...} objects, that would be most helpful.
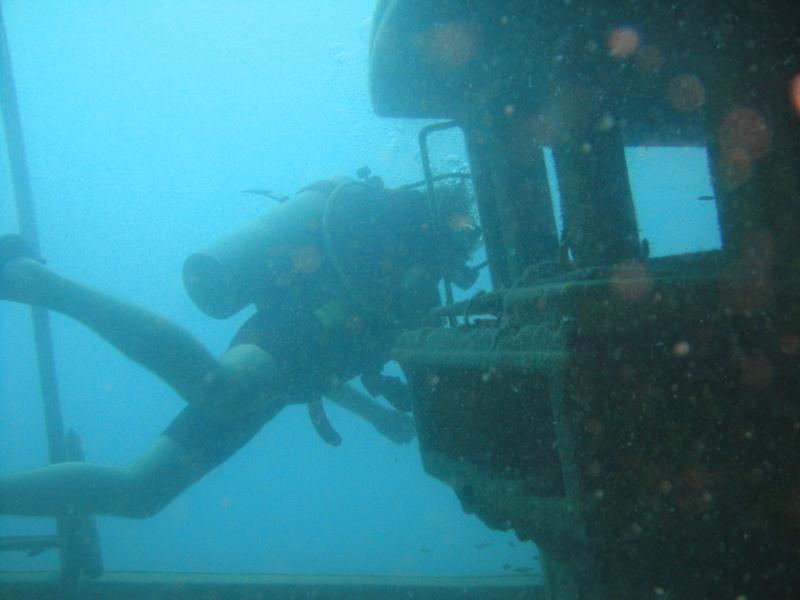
[
  {"x": 313, "y": 358},
  {"x": 209, "y": 439}
]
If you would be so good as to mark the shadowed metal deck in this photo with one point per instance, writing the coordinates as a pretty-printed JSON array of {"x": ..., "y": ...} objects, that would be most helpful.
[{"x": 222, "y": 586}]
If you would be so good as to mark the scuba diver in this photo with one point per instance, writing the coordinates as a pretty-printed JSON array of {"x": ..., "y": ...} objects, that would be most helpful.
[{"x": 334, "y": 272}]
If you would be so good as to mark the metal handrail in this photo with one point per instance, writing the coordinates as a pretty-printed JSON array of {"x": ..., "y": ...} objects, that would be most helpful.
[
  {"x": 433, "y": 208},
  {"x": 26, "y": 217},
  {"x": 70, "y": 540}
]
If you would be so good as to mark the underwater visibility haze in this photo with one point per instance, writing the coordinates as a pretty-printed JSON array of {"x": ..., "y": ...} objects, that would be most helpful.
[
  {"x": 617, "y": 302},
  {"x": 144, "y": 122}
]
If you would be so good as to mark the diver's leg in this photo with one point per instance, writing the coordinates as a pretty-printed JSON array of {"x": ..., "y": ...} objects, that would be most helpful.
[
  {"x": 155, "y": 343},
  {"x": 239, "y": 399},
  {"x": 139, "y": 490},
  {"x": 392, "y": 424}
]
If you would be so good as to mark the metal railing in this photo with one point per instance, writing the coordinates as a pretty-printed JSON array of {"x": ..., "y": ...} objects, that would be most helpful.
[
  {"x": 433, "y": 207},
  {"x": 76, "y": 535}
]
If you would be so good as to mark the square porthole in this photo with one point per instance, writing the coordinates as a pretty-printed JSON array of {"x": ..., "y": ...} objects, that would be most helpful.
[{"x": 675, "y": 205}]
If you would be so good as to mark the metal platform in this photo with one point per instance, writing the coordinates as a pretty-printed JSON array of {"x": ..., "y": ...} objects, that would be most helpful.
[{"x": 241, "y": 586}]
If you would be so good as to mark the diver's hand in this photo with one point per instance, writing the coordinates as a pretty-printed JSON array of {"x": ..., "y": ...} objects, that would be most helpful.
[
  {"x": 396, "y": 392},
  {"x": 395, "y": 426}
]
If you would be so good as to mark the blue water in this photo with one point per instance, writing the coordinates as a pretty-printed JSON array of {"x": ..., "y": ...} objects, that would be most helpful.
[{"x": 144, "y": 121}]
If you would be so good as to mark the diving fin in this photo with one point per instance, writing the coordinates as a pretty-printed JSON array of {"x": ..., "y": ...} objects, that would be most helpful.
[{"x": 268, "y": 193}]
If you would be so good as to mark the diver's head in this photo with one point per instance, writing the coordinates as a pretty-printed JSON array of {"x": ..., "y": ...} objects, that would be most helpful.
[{"x": 459, "y": 234}]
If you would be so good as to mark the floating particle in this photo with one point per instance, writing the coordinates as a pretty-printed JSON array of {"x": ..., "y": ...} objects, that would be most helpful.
[
  {"x": 622, "y": 42},
  {"x": 606, "y": 123},
  {"x": 630, "y": 281},
  {"x": 681, "y": 348},
  {"x": 790, "y": 344},
  {"x": 794, "y": 92},
  {"x": 737, "y": 167},
  {"x": 449, "y": 45},
  {"x": 306, "y": 259},
  {"x": 686, "y": 93},
  {"x": 745, "y": 129}
]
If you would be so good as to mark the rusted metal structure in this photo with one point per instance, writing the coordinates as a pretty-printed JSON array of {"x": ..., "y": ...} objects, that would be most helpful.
[{"x": 637, "y": 418}]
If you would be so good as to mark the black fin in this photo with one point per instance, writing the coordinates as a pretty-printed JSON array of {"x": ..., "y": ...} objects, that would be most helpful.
[{"x": 268, "y": 193}]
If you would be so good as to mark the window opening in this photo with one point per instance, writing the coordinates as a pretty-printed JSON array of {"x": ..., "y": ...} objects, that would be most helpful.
[
  {"x": 443, "y": 153},
  {"x": 675, "y": 205}
]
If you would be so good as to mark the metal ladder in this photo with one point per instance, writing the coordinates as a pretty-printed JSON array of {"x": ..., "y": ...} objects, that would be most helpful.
[{"x": 76, "y": 535}]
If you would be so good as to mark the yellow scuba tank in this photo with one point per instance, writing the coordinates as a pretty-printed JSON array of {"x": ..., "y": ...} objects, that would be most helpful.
[
  {"x": 229, "y": 274},
  {"x": 235, "y": 271}
]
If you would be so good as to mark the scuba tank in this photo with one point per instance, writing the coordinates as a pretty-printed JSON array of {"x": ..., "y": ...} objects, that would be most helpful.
[
  {"x": 340, "y": 223},
  {"x": 236, "y": 270}
]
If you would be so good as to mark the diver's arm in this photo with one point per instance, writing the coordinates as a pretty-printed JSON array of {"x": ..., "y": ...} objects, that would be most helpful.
[
  {"x": 393, "y": 389},
  {"x": 394, "y": 425}
]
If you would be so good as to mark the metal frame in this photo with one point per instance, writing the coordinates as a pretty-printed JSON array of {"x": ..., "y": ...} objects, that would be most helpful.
[
  {"x": 433, "y": 207},
  {"x": 76, "y": 535}
]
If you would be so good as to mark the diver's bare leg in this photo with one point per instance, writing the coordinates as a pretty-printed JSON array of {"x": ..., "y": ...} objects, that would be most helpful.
[
  {"x": 155, "y": 343},
  {"x": 139, "y": 490},
  {"x": 244, "y": 381},
  {"x": 393, "y": 425}
]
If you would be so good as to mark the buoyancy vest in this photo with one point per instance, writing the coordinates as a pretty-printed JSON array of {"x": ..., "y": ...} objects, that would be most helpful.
[
  {"x": 337, "y": 240},
  {"x": 339, "y": 247}
]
